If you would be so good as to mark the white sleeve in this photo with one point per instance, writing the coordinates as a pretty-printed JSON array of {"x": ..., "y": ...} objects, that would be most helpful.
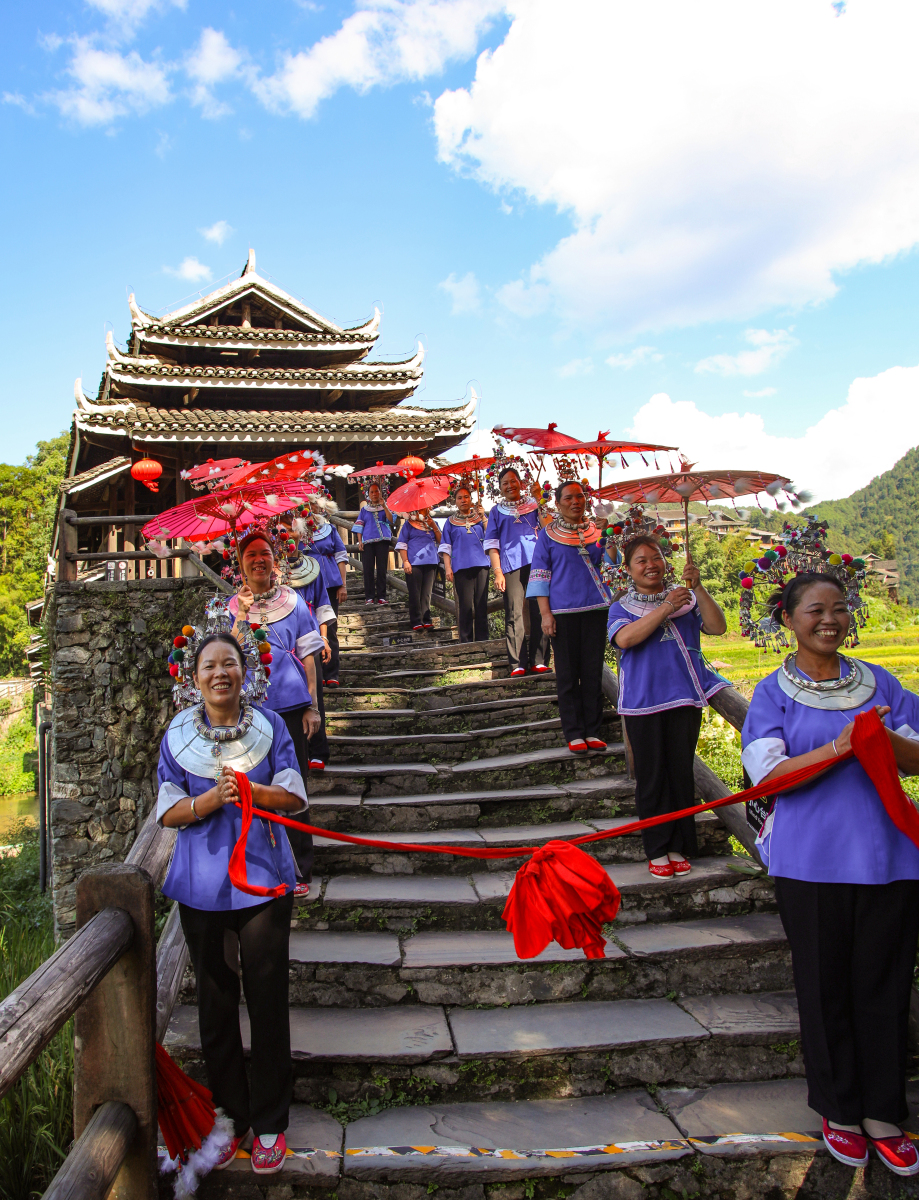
[
  {"x": 908, "y": 732},
  {"x": 168, "y": 796},
  {"x": 491, "y": 544},
  {"x": 308, "y": 644},
  {"x": 446, "y": 548},
  {"x": 325, "y": 614},
  {"x": 401, "y": 545},
  {"x": 760, "y": 758},
  {"x": 291, "y": 781},
  {"x": 342, "y": 556}
]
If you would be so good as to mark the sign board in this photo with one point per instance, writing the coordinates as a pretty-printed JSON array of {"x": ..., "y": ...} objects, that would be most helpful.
[
  {"x": 398, "y": 639},
  {"x": 440, "y": 583}
]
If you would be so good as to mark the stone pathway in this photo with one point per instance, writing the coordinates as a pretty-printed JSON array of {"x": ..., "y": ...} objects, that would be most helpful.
[{"x": 670, "y": 1067}]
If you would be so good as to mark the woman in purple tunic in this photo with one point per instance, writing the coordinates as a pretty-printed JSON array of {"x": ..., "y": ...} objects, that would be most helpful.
[
  {"x": 663, "y": 686},
  {"x": 573, "y": 603},
  {"x": 203, "y": 744},
  {"x": 418, "y": 542},
  {"x": 846, "y": 879},
  {"x": 510, "y": 539},
  {"x": 374, "y": 532},
  {"x": 332, "y": 553},
  {"x": 467, "y": 566}
]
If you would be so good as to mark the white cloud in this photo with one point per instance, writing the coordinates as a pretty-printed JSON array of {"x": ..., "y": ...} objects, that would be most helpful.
[
  {"x": 18, "y": 101},
  {"x": 839, "y": 454},
  {"x": 577, "y": 366},
  {"x": 641, "y": 356},
  {"x": 108, "y": 85},
  {"x": 767, "y": 391},
  {"x": 218, "y": 232},
  {"x": 768, "y": 351},
  {"x": 384, "y": 42},
  {"x": 463, "y": 292},
  {"x": 124, "y": 16},
  {"x": 213, "y": 61},
  {"x": 190, "y": 269},
  {"x": 163, "y": 144},
  {"x": 716, "y": 159}
]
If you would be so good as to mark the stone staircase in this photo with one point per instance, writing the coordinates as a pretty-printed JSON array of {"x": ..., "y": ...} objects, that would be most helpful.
[{"x": 428, "y": 1058}]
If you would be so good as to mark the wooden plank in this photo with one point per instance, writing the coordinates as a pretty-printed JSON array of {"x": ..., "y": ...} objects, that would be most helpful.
[
  {"x": 32, "y": 1014},
  {"x": 114, "y": 1027},
  {"x": 731, "y": 705},
  {"x": 732, "y": 816},
  {"x": 171, "y": 961},
  {"x": 92, "y": 1165},
  {"x": 153, "y": 849},
  {"x": 211, "y": 575}
]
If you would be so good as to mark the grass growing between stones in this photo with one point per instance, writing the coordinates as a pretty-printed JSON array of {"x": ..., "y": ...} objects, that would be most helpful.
[
  {"x": 402, "y": 1094},
  {"x": 36, "y": 1116}
]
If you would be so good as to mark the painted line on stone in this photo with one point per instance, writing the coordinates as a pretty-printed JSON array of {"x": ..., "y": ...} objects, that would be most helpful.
[
  {"x": 739, "y": 1139},
  {"x": 483, "y": 1152}
]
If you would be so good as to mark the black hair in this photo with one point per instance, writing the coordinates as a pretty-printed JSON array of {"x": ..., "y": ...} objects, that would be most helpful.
[
  {"x": 219, "y": 637},
  {"x": 462, "y": 487},
  {"x": 567, "y": 483},
  {"x": 501, "y": 474},
  {"x": 257, "y": 535},
  {"x": 643, "y": 539},
  {"x": 788, "y": 598}
]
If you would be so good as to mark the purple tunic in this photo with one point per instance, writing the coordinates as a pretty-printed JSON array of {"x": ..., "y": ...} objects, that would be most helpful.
[
  {"x": 464, "y": 547},
  {"x": 666, "y": 670},
  {"x": 559, "y": 572},
  {"x": 513, "y": 535},
  {"x": 419, "y": 544},
  {"x": 372, "y": 526},
  {"x": 836, "y": 829},
  {"x": 199, "y": 871},
  {"x": 330, "y": 550},
  {"x": 292, "y": 638}
]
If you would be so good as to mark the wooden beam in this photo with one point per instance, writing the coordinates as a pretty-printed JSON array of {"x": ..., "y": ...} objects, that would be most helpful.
[
  {"x": 93, "y": 1164},
  {"x": 171, "y": 961}
]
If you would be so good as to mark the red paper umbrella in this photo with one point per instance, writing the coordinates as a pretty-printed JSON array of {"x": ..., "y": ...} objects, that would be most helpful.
[
  {"x": 469, "y": 464},
  {"x": 210, "y": 472},
  {"x": 379, "y": 468},
  {"x": 601, "y": 447},
  {"x": 210, "y": 516},
  {"x": 296, "y": 465},
  {"x": 686, "y": 485},
  {"x": 540, "y": 440},
  {"x": 419, "y": 494}
]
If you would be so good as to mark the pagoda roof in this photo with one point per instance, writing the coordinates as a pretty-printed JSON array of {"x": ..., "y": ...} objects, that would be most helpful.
[
  {"x": 148, "y": 423},
  {"x": 95, "y": 475},
  {"x": 250, "y": 285},
  {"x": 232, "y": 337}
]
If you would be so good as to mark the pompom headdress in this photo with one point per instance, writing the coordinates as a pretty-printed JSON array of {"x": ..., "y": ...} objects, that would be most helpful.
[
  {"x": 253, "y": 642},
  {"x": 621, "y": 528}
]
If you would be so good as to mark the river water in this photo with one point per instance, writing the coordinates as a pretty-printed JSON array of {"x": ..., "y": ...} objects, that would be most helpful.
[{"x": 15, "y": 808}]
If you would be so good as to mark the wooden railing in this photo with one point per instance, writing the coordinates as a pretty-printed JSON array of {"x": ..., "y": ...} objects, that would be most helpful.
[{"x": 121, "y": 989}]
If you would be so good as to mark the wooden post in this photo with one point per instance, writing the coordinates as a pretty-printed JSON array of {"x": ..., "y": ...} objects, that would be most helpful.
[
  {"x": 130, "y": 531},
  {"x": 114, "y": 1027},
  {"x": 68, "y": 541}
]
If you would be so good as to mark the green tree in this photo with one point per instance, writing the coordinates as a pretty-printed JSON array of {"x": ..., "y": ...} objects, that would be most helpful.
[{"x": 884, "y": 546}]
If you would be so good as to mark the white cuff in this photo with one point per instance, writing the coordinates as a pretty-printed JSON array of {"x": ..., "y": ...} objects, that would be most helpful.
[
  {"x": 402, "y": 546},
  {"x": 291, "y": 781},
  {"x": 325, "y": 614},
  {"x": 491, "y": 544},
  {"x": 168, "y": 797},
  {"x": 445, "y": 548},
  {"x": 908, "y": 732},
  {"x": 762, "y": 757},
  {"x": 308, "y": 644},
  {"x": 341, "y": 556}
]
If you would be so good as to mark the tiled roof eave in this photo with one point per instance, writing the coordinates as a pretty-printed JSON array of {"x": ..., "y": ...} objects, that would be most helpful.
[{"x": 262, "y": 379}]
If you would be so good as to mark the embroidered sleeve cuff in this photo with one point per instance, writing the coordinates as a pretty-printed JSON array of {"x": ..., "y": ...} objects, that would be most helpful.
[
  {"x": 357, "y": 527},
  {"x": 614, "y": 627},
  {"x": 400, "y": 545},
  {"x": 760, "y": 758},
  {"x": 308, "y": 644},
  {"x": 491, "y": 544},
  {"x": 168, "y": 796},
  {"x": 446, "y": 548},
  {"x": 291, "y": 781}
]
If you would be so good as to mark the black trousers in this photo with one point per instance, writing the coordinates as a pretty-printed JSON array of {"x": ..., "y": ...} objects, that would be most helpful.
[
  {"x": 330, "y": 669},
  {"x": 318, "y": 745},
  {"x": 663, "y": 748},
  {"x": 300, "y": 843},
  {"x": 263, "y": 932},
  {"x": 375, "y": 557},
  {"x": 471, "y": 587},
  {"x": 579, "y": 643},
  {"x": 527, "y": 645},
  {"x": 853, "y": 950},
  {"x": 420, "y": 585}
]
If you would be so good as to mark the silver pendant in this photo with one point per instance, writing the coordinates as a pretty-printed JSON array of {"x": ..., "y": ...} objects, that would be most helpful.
[{"x": 857, "y": 693}]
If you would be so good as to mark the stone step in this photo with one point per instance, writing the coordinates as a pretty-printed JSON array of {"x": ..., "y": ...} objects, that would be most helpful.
[
  {"x": 451, "y": 718},
  {"x": 481, "y": 967},
  {"x": 602, "y": 796},
  {"x": 439, "y": 695},
  {"x": 550, "y": 764},
  {"x": 476, "y": 901},
  {"x": 333, "y": 858},
  {"x": 524, "y": 1052},
  {"x": 423, "y": 645},
  {"x": 738, "y": 1139}
]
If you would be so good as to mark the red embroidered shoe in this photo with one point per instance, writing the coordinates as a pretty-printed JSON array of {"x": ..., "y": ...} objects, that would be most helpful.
[
  {"x": 229, "y": 1152},
  {"x": 517, "y": 671},
  {"x": 596, "y": 743},
  {"x": 415, "y": 628},
  {"x": 578, "y": 746},
  {"x": 269, "y": 1162},
  {"x": 898, "y": 1154},
  {"x": 848, "y": 1148},
  {"x": 662, "y": 872},
  {"x": 317, "y": 764},
  {"x": 540, "y": 669},
  {"x": 332, "y": 683},
  {"x": 301, "y": 890},
  {"x": 681, "y": 867}
]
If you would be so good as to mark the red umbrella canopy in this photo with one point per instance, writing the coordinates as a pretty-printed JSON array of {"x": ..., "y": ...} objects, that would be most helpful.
[
  {"x": 419, "y": 493},
  {"x": 211, "y": 516},
  {"x": 686, "y": 485},
  {"x": 602, "y": 445},
  {"x": 296, "y": 465},
  {"x": 379, "y": 469},
  {"x": 539, "y": 439},
  {"x": 210, "y": 472},
  {"x": 469, "y": 464}
]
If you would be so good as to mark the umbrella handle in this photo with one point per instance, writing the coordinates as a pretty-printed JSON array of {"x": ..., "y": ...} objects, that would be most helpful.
[{"x": 686, "y": 520}]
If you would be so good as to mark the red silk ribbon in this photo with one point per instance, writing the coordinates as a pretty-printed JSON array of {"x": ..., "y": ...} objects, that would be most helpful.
[{"x": 556, "y": 876}]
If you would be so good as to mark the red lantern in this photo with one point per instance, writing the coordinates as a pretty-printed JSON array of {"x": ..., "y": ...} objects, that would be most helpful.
[
  {"x": 410, "y": 466},
  {"x": 147, "y": 471}
]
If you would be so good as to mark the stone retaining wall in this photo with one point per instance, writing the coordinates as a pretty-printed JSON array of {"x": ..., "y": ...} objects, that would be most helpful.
[{"x": 111, "y": 703}]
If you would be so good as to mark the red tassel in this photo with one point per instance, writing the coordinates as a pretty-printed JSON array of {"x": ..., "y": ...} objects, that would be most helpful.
[
  {"x": 563, "y": 895},
  {"x": 873, "y": 750},
  {"x": 237, "y": 867}
]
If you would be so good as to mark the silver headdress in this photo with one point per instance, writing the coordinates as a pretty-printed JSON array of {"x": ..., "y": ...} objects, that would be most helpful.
[{"x": 218, "y": 619}]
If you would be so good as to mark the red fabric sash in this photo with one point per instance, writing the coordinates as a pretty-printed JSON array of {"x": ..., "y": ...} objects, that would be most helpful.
[{"x": 559, "y": 895}]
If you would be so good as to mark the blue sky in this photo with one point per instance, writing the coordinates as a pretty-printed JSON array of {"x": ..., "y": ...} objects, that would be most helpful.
[{"x": 596, "y": 214}]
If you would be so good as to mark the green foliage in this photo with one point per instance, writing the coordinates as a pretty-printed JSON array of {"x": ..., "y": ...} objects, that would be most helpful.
[
  {"x": 28, "y": 501},
  {"x": 36, "y": 1116},
  {"x": 406, "y": 1093},
  {"x": 18, "y": 755},
  {"x": 719, "y": 748}
]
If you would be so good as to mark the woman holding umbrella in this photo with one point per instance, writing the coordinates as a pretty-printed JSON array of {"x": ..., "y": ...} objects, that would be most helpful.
[
  {"x": 663, "y": 686},
  {"x": 467, "y": 565},
  {"x": 417, "y": 544},
  {"x": 221, "y": 734},
  {"x": 374, "y": 531},
  {"x": 326, "y": 544}
]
